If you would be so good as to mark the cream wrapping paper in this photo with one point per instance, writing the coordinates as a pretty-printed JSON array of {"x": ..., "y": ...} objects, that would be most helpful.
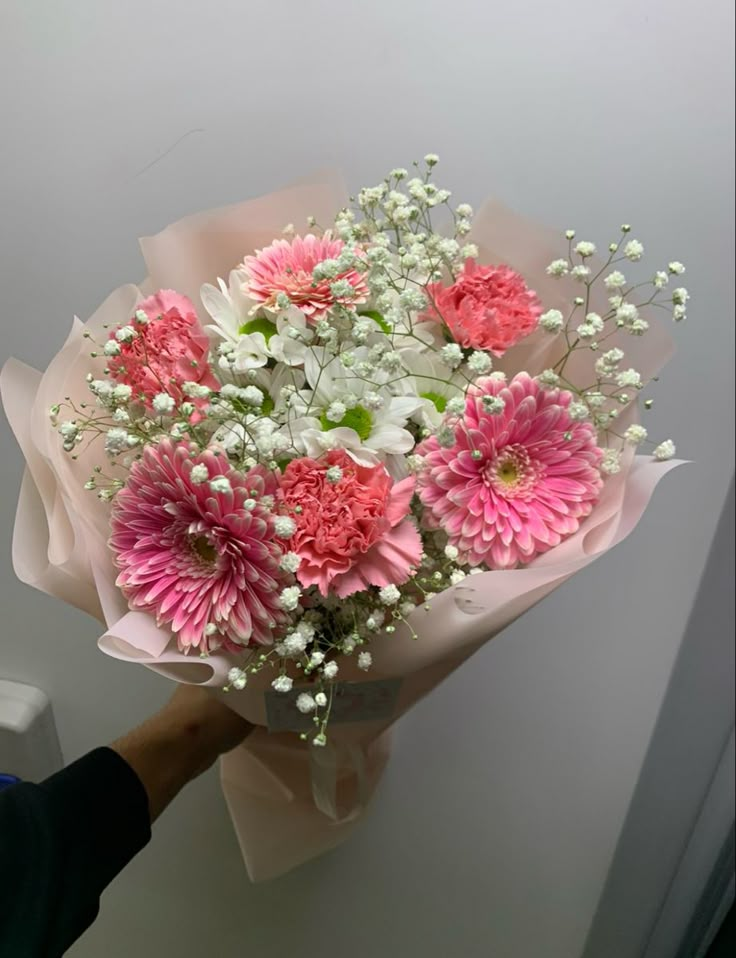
[{"x": 289, "y": 801}]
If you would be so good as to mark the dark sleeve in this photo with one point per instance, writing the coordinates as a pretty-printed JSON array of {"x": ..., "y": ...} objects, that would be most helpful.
[{"x": 61, "y": 843}]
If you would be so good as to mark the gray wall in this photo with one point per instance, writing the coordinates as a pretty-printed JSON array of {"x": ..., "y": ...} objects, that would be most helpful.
[{"x": 497, "y": 822}]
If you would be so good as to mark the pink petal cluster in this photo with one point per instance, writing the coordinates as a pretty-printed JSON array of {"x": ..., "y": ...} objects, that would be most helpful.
[
  {"x": 351, "y": 533},
  {"x": 167, "y": 351},
  {"x": 516, "y": 483},
  {"x": 195, "y": 558},
  {"x": 286, "y": 267},
  {"x": 487, "y": 307}
]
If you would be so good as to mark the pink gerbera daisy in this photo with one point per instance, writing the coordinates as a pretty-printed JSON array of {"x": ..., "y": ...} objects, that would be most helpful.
[
  {"x": 515, "y": 482},
  {"x": 202, "y": 560},
  {"x": 286, "y": 266}
]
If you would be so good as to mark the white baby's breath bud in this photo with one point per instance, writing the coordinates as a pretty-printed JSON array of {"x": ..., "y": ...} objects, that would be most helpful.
[
  {"x": 558, "y": 267},
  {"x": 389, "y": 595},
  {"x": 680, "y": 296},
  {"x": 633, "y": 250},
  {"x": 126, "y": 334},
  {"x": 676, "y": 268},
  {"x": 237, "y": 678},
  {"x": 585, "y": 248},
  {"x": 334, "y": 474},
  {"x": 451, "y": 552},
  {"x": 290, "y": 562},
  {"x": 569, "y": 234},
  {"x": 635, "y": 434},
  {"x": 664, "y": 451},
  {"x": 629, "y": 377},
  {"x": 163, "y": 403},
  {"x": 615, "y": 280},
  {"x": 316, "y": 658},
  {"x": 578, "y": 411},
  {"x": 638, "y": 327},
  {"x": 479, "y": 363},
  {"x": 196, "y": 390},
  {"x": 446, "y": 437},
  {"x": 660, "y": 279},
  {"x": 365, "y": 660},
  {"x": 548, "y": 377},
  {"x": 320, "y": 699},
  {"x": 289, "y": 597},
  {"x": 220, "y": 484},
  {"x": 469, "y": 251},
  {"x": 493, "y": 405},
  {"x": 552, "y": 321},
  {"x": 111, "y": 348},
  {"x": 305, "y": 703},
  {"x": 456, "y": 406},
  {"x": 595, "y": 399},
  {"x": 140, "y": 317},
  {"x": 199, "y": 474},
  {"x": 456, "y": 576},
  {"x": 627, "y": 312},
  {"x": 335, "y": 411},
  {"x": 611, "y": 462},
  {"x": 464, "y": 209},
  {"x": 319, "y": 740},
  {"x": 580, "y": 273},
  {"x": 679, "y": 313},
  {"x": 330, "y": 670},
  {"x": 452, "y": 354},
  {"x": 282, "y": 683},
  {"x": 284, "y": 527}
]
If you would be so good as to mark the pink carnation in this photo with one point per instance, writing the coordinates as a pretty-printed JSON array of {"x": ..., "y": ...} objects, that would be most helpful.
[
  {"x": 286, "y": 267},
  {"x": 199, "y": 561},
  {"x": 513, "y": 484},
  {"x": 164, "y": 353},
  {"x": 351, "y": 533},
  {"x": 487, "y": 307}
]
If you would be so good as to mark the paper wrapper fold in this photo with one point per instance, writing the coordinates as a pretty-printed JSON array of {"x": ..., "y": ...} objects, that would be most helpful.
[{"x": 289, "y": 801}]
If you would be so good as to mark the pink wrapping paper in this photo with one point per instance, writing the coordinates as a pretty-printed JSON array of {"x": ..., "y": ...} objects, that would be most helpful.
[{"x": 290, "y": 802}]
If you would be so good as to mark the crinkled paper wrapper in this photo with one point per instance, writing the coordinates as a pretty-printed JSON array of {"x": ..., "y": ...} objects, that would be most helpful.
[{"x": 289, "y": 801}]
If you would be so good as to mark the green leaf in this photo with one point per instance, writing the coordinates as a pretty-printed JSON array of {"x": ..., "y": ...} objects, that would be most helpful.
[{"x": 377, "y": 319}]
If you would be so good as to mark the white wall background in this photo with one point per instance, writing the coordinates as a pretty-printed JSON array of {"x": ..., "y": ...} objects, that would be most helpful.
[{"x": 499, "y": 815}]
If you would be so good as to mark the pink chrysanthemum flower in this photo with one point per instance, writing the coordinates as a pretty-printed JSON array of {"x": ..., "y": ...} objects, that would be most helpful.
[
  {"x": 514, "y": 483},
  {"x": 286, "y": 266},
  {"x": 160, "y": 355},
  {"x": 487, "y": 307},
  {"x": 204, "y": 562},
  {"x": 352, "y": 529}
]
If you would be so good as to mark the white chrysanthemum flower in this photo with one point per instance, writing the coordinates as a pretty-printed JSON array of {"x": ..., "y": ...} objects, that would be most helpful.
[
  {"x": 282, "y": 683},
  {"x": 664, "y": 451}
]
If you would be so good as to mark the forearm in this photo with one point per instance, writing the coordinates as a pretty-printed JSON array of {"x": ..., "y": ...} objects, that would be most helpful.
[{"x": 179, "y": 743}]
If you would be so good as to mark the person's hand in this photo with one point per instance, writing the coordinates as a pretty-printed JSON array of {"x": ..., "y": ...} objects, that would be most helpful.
[
  {"x": 200, "y": 714},
  {"x": 180, "y": 742}
]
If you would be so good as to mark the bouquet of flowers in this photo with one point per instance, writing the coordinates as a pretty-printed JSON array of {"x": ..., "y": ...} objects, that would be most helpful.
[{"x": 315, "y": 468}]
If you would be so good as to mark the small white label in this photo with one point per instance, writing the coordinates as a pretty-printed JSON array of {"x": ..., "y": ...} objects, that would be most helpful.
[{"x": 351, "y": 702}]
